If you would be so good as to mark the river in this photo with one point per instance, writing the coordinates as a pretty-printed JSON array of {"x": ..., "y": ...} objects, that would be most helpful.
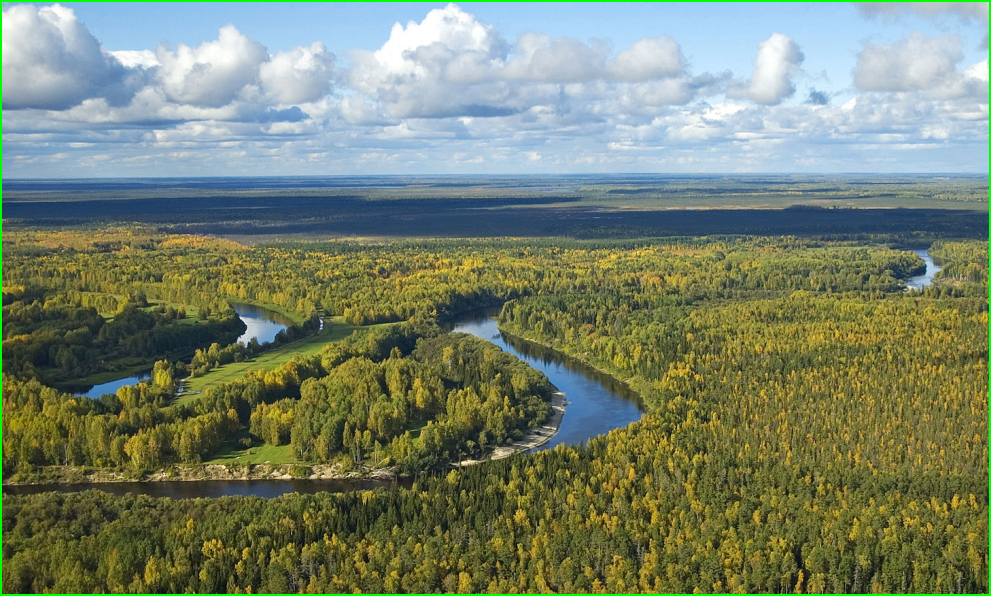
[
  {"x": 926, "y": 279},
  {"x": 596, "y": 404}
]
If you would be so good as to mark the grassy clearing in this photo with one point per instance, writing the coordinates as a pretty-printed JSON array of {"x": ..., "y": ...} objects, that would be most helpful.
[
  {"x": 334, "y": 332},
  {"x": 415, "y": 428},
  {"x": 192, "y": 312},
  {"x": 259, "y": 454}
]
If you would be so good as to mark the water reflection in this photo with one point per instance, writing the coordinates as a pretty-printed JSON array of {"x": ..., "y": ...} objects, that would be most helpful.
[
  {"x": 926, "y": 279},
  {"x": 95, "y": 391},
  {"x": 597, "y": 403},
  {"x": 262, "y": 323}
]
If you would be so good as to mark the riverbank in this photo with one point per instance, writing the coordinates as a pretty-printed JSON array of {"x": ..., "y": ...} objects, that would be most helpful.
[
  {"x": 202, "y": 472},
  {"x": 627, "y": 384},
  {"x": 334, "y": 330},
  {"x": 535, "y": 437},
  {"x": 291, "y": 315}
]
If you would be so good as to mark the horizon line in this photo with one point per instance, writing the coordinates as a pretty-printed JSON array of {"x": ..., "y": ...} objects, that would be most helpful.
[{"x": 494, "y": 175}]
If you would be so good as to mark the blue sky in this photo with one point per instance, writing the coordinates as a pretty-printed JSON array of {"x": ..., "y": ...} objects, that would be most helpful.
[{"x": 135, "y": 89}]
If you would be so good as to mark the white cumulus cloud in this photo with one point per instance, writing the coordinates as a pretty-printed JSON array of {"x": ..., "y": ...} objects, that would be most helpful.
[
  {"x": 213, "y": 74},
  {"x": 421, "y": 50},
  {"x": 648, "y": 58},
  {"x": 555, "y": 60},
  {"x": 52, "y": 61},
  {"x": 300, "y": 75},
  {"x": 915, "y": 63},
  {"x": 441, "y": 66},
  {"x": 450, "y": 64},
  {"x": 921, "y": 64},
  {"x": 966, "y": 12},
  {"x": 447, "y": 90},
  {"x": 136, "y": 58},
  {"x": 778, "y": 61}
]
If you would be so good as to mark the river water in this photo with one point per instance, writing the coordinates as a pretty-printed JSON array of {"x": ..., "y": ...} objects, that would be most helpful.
[
  {"x": 96, "y": 391},
  {"x": 597, "y": 404},
  {"x": 926, "y": 279}
]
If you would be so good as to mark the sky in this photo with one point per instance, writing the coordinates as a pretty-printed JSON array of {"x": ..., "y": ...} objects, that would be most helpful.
[{"x": 232, "y": 89}]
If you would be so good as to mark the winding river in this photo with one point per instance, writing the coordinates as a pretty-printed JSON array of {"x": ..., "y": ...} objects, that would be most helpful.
[{"x": 597, "y": 404}]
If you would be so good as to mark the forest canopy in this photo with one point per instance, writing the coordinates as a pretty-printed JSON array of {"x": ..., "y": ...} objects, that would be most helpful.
[{"x": 811, "y": 426}]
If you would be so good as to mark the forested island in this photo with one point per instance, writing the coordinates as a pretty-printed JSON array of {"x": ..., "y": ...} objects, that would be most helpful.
[{"x": 810, "y": 423}]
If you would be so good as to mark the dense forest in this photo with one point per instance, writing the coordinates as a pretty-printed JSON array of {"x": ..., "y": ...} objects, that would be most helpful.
[
  {"x": 537, "y": 206},
  {"x": 811, "y": 426}
]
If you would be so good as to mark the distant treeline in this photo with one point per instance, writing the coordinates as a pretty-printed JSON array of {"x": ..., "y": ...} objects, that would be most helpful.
[
  {"x": 594, "y": 206},
  {"x": 428, "y": 219}
]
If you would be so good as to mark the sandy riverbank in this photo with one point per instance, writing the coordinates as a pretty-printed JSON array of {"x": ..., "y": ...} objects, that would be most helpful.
[{"x": 535, "y": 437}]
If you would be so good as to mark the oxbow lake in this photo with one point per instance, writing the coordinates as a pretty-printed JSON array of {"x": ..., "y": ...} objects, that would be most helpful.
[{"x": 263, "y": 324}]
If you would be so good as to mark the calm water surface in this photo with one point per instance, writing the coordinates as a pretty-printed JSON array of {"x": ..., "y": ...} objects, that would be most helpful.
[
  {"x": 926, "y": 279},
  {"x": 597, "y": 403},
  {"x": 262, "y": 323},
  {"x": 96, "y": 391}
]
